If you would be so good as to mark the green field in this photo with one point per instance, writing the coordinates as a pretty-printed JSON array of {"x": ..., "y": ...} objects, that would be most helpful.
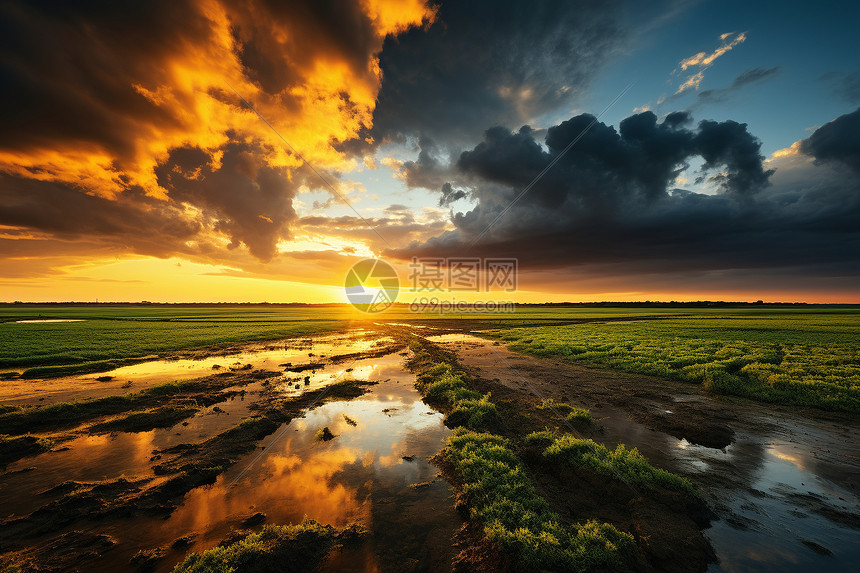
[
  {"x": 797, "y": 357},
  {"x": 110, "y": 334}
]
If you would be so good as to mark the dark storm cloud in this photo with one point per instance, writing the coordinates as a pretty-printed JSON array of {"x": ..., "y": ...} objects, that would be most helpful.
[
  {"x": 485, "y": 62},
  {"x": 837, "y": 141},
  {"x": 429, "y": 170},
  {"x": 133, "y": 222},
  {"x": 248, "y": 200},
  {"x": 730, "y": 145},
  {"x": 68, "y": 69},
  {"x": 607, "y": 167},
  {"x": 751, "y": 76},
  {"x": 612, "y": 201}
]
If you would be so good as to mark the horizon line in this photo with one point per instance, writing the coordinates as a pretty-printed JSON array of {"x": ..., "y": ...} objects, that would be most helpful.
[{"x": 403, "y": 304}]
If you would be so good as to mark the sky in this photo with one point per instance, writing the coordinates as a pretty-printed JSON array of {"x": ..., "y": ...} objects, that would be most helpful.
[{"x": 253, "y": 150}]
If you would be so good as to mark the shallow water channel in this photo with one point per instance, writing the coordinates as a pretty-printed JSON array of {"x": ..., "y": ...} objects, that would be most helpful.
[{"x": 375, "y": 471}]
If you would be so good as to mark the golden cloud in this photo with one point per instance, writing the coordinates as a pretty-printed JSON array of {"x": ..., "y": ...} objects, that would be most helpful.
[{"x": 140, "y": 111}]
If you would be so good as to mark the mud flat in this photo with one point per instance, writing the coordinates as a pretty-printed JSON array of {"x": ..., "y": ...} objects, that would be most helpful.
[{"x": 107, "y": 500}]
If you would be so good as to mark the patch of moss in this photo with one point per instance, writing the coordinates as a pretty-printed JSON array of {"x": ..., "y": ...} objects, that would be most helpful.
[
  {"x": 13, "y": 449},
  {"x": 144, "y": 421},
  {"x": 276, "y": 548},
  {"x": 324, "y": 435}
]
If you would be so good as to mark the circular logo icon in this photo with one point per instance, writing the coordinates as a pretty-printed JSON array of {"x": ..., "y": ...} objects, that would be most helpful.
[{"x": 371, "y": 285}]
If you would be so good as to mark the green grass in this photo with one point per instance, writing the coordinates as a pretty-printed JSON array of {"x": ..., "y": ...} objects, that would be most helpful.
[
  {"x": 276, "y": 548},
  {"x": 497, "y": 489},
  {"x": 109, "y": 336},
  {"x": 571, "y": 413},
  {"x": 63, "y": 414},
  {"x": 13, "y": 449},
  {"x": 112, "y": 335},
  {"x": 119, "y": 333},
  {"x": 795, "y": 358},
  {"x": 621, "y": 463},
  {"x": 163, "y": 417},
  {"x": 502, "y": 497},
  {"x": 443, "y": 383}
]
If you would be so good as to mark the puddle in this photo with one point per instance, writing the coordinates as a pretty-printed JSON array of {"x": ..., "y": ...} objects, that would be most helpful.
[
  {"x": 367, "y": 473},
  {"x": 773, "y": 520},
  {"x": 784, "y": 480},
  {"x": 360, "y": 475},
  {"x": 267, "y": 356},
  {"x": 111, "y": 455}
]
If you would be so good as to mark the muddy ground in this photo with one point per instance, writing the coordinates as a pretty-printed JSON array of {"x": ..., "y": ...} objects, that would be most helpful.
[
  {"x": 119, "y": 463},
  {"x": 783, "y": 482}
]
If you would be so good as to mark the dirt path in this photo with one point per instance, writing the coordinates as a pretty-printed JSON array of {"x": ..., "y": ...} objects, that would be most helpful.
[{"x": 785, "y": 484}]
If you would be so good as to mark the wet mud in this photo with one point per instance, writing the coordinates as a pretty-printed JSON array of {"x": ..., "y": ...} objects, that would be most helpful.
[{"x": 783, "y": 483}]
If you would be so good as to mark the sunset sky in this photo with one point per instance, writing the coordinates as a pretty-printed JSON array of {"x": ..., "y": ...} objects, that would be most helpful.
[{"x": 725, "y": 164}]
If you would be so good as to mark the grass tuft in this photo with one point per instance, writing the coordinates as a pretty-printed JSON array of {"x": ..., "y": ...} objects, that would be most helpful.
[
  {"x": 276, "y": 548},
  {"x": 443, "y": 383},
  {"x": 571, "y": 413},
  {"x": 502, "y": 497},
  {"x": 324, "y": 435},
  {"x": 627, "y": 464},
  {"x": 13, "y": 449}
]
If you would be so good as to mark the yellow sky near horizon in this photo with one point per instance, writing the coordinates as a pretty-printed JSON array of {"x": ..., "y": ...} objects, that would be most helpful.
[{"x": 175, "y": 280}]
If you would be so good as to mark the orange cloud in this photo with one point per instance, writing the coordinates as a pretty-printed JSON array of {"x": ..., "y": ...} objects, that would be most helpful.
[
  {"x": 109, "y": 97},
  {"x": 703, "y": 60}
]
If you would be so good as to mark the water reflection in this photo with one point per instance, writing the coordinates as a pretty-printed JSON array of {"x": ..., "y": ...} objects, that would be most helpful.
[
  {"x": 135, "y": 377},
  {"x": 366, "y": 474},
  {"x": 361, "y": 475},
  {"x": 109, "y": 456}
]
